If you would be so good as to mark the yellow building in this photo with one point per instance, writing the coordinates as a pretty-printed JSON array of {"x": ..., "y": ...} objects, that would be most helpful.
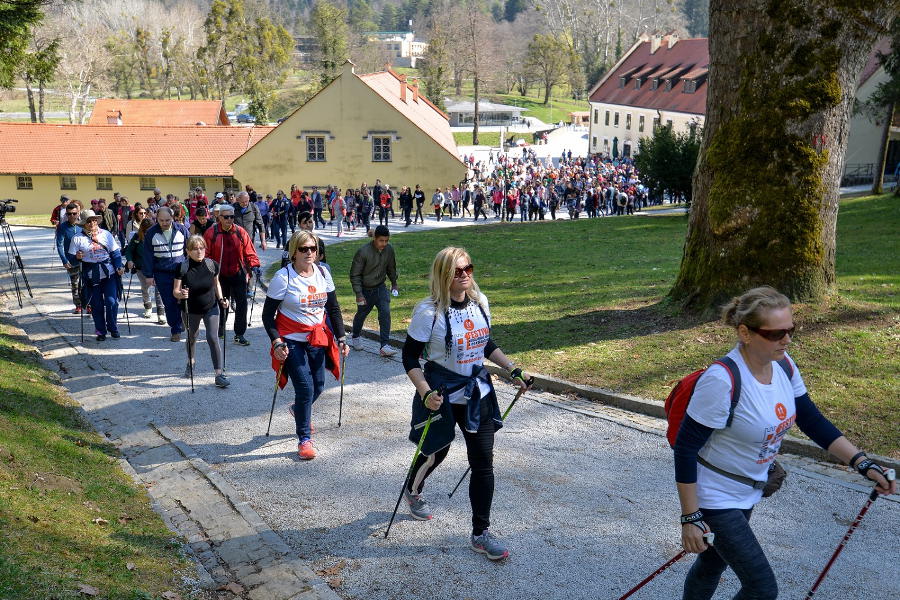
[
  {"x": 358, "y": 128},
  {"x": 42, "y": 161}
]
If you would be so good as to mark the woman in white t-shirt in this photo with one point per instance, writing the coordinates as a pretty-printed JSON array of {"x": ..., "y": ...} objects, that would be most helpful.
[
  {"x": 300, "y": 296},
  {"x": 722, "y": 458},
  {"x": 452, "y": 330}
]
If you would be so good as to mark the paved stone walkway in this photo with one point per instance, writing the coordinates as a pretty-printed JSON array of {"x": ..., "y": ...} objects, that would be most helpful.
[{"x": 584, "y": 495}]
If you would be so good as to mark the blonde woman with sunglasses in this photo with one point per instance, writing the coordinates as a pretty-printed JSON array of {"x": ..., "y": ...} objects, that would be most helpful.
[
  {"x": 724, "y": 451},
  {"x": 452, "y": 330}
]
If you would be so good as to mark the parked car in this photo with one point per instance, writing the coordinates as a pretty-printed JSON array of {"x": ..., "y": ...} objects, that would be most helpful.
[{"x": 246, "y": 118}]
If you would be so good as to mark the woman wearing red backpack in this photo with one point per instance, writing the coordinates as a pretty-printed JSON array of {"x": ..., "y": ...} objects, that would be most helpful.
[{"x": 724, "y": 451}]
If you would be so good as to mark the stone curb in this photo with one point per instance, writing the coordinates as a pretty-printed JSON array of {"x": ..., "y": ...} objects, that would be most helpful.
[{"x": 636, "y": 404}]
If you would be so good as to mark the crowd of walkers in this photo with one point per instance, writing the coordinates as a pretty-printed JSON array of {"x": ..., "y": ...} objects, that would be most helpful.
[{"x": 197, "y": 260}]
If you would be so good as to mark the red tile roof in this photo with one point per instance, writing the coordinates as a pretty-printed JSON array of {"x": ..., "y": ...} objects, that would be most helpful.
[
  {"x": 685, "y": 59},
  {"x": 51, "y": 149},
  {"x": 883, "y": 46},
  {"x": 422, "y": 112},
  {"x": 160, "y": 112}
]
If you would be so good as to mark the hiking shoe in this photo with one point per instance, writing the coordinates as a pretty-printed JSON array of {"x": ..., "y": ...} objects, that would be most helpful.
[
  {"x": 418, "y": 508},
  {"x": 90, "y": 309},
  {"x": 101, "y": 337},
  {"x": 161, "y": 320},
  {"x": 222, "y": 381},
  {"x": 239, "y": 339},
  {"x": 187, "y": 371},
  {"x": 305, "y": 450},
  {"x": 148, "y": 313},
  {"x": 76, "y": 310},
  {"x": 115, "y": 335},
  {"x": 356, "y": 343},
  {"x": 176, "y": 337},
  {"x": 488, "y": 544},
  {"x": 387, "y": 351}
]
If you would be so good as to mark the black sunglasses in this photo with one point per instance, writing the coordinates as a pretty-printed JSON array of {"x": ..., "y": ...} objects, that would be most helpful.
[
  {"x": 306, "y": 249},
  {"x": 227, "y": 216},
  {"x": 468, "y": 269},
  {"x": 773, "y": 335}
]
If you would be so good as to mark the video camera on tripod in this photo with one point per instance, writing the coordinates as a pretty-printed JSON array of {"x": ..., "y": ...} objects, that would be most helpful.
[
  {"x": 14, "y": 267},
  {"x": 7, "y": 206}
]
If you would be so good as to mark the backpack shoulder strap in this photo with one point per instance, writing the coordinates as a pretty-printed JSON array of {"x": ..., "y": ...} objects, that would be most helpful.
[
  {"x": 735, "y": 373},
  {"x": 787, "y": 367},
  {"x": 210, "y": 264}
]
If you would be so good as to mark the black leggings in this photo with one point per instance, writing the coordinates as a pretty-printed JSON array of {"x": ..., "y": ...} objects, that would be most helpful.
[
  {"x": 211, "y": 322},
  {"x": 480, "y": 449}
]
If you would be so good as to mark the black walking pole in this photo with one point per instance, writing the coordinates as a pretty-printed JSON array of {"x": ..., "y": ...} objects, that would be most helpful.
[
  {"x": 253, "y": 301},
  {"x": 528, "y": 384},
  {"x": 341, "y": 401},
  {"x": 81, "y": 296},
  {"x": 412, "y": 465},
  {"x": 224, "y": 332},
  {"x": 274, "y": 394},
  {"x": 889, "y": 475},
  {"x": 127, "y": 318},
  {"x": 187, "y": 322}
]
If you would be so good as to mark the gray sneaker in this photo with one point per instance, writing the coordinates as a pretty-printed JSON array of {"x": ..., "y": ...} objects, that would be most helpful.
[
  {"x": 418, "y": 508},
  {"x": 487, "y": 543},
  {"x": 187, "y": 371},
  {"x": 222, "y": 381}
]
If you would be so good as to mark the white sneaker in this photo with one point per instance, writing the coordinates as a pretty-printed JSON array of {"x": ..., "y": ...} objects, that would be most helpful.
[
  {"x": 147, "y": 313},
  {"x": 388, "y": 351},
  {"x": 356, "y": 343}
]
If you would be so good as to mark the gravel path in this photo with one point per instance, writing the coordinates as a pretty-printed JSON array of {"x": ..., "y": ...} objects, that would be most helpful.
[{"x": 587, "y": 505}]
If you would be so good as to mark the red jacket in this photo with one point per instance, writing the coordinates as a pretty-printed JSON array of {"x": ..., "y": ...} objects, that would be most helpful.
[{"x": 232, "y": 249}]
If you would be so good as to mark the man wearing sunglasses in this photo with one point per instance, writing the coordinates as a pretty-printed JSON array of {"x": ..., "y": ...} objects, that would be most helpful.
[
  {"x": 372, "y": 264},
  {"x": 231, "y": 246},
  {"x": 65, "y": 231}
]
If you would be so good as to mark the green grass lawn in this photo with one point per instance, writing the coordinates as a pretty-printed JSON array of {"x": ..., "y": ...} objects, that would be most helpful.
[
  {"x": 41, "y": 220},
  {"x": 557, "y": 110},
  {"x": 486, "y": 138},
  {"x": 56, "y": 477},
  {"x": 585, "y": 300}
]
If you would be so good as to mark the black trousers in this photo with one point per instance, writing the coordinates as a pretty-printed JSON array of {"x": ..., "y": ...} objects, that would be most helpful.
[
  {"x": 418, "y": 216},
  {"x": 235, "y": 287},
  {"x": 480, "y": 450}
]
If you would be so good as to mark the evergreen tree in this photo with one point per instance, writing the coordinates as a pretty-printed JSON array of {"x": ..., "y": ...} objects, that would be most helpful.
[
  {"x": 329, "y": 25},
  {"x": 696, "y": 15}
]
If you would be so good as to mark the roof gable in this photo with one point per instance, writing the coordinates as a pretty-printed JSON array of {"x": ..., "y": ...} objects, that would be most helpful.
[
  {"x": 648, "y": 78},
  {"x": 48, "y": 148},
  {"x": 159, "y": 112}
]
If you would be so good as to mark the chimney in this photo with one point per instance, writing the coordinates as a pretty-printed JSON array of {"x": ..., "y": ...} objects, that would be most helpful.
[
  {"x": 415, "y": 90},
  {"x": 114, "y": 117},
  {"x": 655, "y": 41},
  {"x": 403, "y": 88},
  {"x": 673, "y": 39}
]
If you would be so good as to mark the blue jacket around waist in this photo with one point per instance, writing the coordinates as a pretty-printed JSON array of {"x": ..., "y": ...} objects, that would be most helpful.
[{"x": 443, "y": 427}]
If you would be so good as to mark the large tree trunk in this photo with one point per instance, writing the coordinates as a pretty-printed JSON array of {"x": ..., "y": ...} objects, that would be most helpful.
[
  {"x": 476, "y": 117},
  {"x": 782, "y": 79},
  {"x": 878, "y": 184},
  {"x": 30, "y": 93},
  {"x": 41, "y": 96}
]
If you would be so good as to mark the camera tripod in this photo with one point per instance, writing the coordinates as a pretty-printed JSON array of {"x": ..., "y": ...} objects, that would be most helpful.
[{"x": 14, "y": 260}]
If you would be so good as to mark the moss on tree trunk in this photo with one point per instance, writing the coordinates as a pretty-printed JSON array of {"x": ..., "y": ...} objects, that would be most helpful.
[{"x": 783, "y": 78}]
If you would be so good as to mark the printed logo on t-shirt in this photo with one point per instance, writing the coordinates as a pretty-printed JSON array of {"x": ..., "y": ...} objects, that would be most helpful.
[
  {"x": 780, "y": 411},
  {"x": 468, "y": 324},
  {"x": 312, "y": 290}
]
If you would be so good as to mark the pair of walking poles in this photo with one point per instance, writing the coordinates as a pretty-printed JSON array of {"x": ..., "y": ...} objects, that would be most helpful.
[
  {"x": 418, "y": 451},
  {"x": 275, "y": 393},
  {"x": 873, "y": 495}
]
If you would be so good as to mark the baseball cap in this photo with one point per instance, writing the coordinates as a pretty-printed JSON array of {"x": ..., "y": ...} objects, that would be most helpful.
[{"x": 220, "y": 195}]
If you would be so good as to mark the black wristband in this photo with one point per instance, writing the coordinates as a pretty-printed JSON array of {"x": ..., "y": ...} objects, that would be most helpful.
[
  {"x": 855, "y": 456},
  {"x": 279, "y": 345},
  {"x": 691, "y": 518},
  {"x": 866, "y": 465}
]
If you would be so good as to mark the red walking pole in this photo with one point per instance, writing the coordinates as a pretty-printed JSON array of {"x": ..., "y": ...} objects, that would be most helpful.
[
  {"x": 890, "y": 475},
  {"x": 709, "y": 536}
]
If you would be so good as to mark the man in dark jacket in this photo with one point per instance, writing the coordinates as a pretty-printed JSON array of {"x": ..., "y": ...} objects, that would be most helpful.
[
  {"x": 247, "y": 215},
  {"x": 372, "y": 264}
]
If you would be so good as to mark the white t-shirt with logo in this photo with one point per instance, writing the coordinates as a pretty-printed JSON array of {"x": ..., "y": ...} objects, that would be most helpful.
[
  {"x": 763, "y": 415},
  {"x": 303, "y": 298},
  {"x": 469, "y": 334}
]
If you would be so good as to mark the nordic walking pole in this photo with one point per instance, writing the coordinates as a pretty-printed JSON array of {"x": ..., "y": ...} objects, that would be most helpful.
[
  {"x": 127, "y": 318},
  {"x": 81, "y": 296},
  {"x": 224, "y": 332},
  {"x": 341, "y": 401},
  {"x": 274, "y": 394},
  {"x": 186, "y": 319},
  {"x": 528, "y": 383},
  {"x": 412, "y": 465},
  {"x": 252, "y": 301},
  {"x": 709, "y": 536},
  {"x": 889, "y": 475}
]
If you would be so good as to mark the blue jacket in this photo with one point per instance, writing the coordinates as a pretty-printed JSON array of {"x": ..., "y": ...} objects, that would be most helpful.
[
  {"x": 64, "y": 235},
  {"x": 443, "y": 426},
  {"x": 159, "y": 255}
]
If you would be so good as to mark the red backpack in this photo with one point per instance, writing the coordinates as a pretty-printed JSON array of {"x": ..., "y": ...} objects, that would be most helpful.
[{"x": 680, "y": 396}]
